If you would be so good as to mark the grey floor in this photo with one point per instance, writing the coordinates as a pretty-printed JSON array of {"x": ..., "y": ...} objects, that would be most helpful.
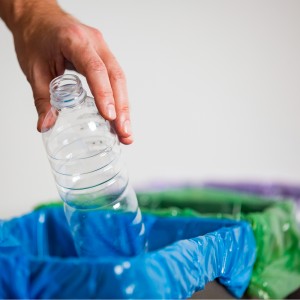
[{"x": 213, "y": 290}]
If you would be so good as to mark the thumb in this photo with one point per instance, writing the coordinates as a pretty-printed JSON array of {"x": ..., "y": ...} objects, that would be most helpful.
[
  {"x": 43, "y": 107},
  {"x": 41, "y": 94}
]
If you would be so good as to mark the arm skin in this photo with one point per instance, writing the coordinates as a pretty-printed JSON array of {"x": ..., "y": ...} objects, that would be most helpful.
[{"x": 47, "y": 39}]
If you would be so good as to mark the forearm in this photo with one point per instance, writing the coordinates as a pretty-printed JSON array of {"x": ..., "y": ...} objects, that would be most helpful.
[{"x": 18, "y": 13}]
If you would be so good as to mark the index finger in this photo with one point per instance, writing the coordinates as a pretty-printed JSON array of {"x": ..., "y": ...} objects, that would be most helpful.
[{"x": 89, "y": 64}]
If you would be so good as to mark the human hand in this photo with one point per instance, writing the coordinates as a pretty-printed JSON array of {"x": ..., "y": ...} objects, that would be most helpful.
[{"x": 47, "y": 40}]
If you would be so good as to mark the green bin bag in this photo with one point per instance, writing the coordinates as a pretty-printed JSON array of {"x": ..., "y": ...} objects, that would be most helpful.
[{"x": 276, "y": 272}]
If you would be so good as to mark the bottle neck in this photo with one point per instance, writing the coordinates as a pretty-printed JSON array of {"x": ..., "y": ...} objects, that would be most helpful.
[{"x": 66, "y": 91}]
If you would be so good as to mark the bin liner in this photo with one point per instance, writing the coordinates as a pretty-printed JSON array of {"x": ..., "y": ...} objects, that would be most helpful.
[
  {"x": 278, "y": 191},
  {"x": 276, "y": 272},
  {"x": 38, "y": 259}
]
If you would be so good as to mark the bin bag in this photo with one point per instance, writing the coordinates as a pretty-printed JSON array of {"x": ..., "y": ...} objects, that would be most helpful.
[
  {"x": 38, "y": 259},
  {"x": 276, "y": 273}
]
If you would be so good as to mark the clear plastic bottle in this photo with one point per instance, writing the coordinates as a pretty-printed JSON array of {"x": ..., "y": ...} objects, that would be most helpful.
[{"x": 85, "y": 156}]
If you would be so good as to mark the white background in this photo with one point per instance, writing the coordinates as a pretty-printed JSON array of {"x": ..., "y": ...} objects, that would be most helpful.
[{"x": 214, "y": 90}]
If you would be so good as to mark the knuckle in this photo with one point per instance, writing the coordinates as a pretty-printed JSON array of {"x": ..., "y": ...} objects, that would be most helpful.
[
  {"x": 105, "y": 94},
  {"x": 72, "y": 34},
  {"x": 118, "y": 75},
  {"x": 95, "y": 65},
  {"x": 74, "y": 30},
  {"x": 39, "y": 100},
  {"x": 39, "y": 103},
  {"x": 124, "y": 109},
  {"x": 98, "y": 34}
]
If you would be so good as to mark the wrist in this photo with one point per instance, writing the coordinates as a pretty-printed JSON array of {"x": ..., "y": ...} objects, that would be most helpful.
[{"x": 21, "y": 14}]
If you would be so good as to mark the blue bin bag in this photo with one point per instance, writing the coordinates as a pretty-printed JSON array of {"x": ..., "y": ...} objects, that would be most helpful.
[{"x": 38, "y": 259}]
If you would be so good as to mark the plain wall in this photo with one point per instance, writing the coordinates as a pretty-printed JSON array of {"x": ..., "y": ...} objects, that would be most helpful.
[{"x": 214, "y": 91}]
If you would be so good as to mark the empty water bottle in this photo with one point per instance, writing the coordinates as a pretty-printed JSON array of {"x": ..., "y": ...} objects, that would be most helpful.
[{"x": 85, "y": 157}]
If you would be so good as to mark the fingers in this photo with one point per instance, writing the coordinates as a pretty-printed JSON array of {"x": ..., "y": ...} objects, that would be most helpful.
[
  {"x": 108, "y": 85},
  {"x": 119, "y": 87},
  {"x": 40, "y": 87},
  {"x": 126, "y": 141},
  {"x": 92, "y": 58},
  {"x": 89, "y": 63}
]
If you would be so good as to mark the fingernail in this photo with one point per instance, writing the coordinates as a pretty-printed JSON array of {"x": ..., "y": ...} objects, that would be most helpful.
[
  {"x": 127, "y": 127},
  {"x": 111, "y": 111}
]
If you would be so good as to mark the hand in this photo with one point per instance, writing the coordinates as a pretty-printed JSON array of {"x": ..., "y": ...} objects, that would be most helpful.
[{"x": 47, "y": 39}]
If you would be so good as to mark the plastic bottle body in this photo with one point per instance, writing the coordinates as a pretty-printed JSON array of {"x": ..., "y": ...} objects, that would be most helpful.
[
  {"x": 114, "y": 229},
  {"x": 90, "y": 176}
]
